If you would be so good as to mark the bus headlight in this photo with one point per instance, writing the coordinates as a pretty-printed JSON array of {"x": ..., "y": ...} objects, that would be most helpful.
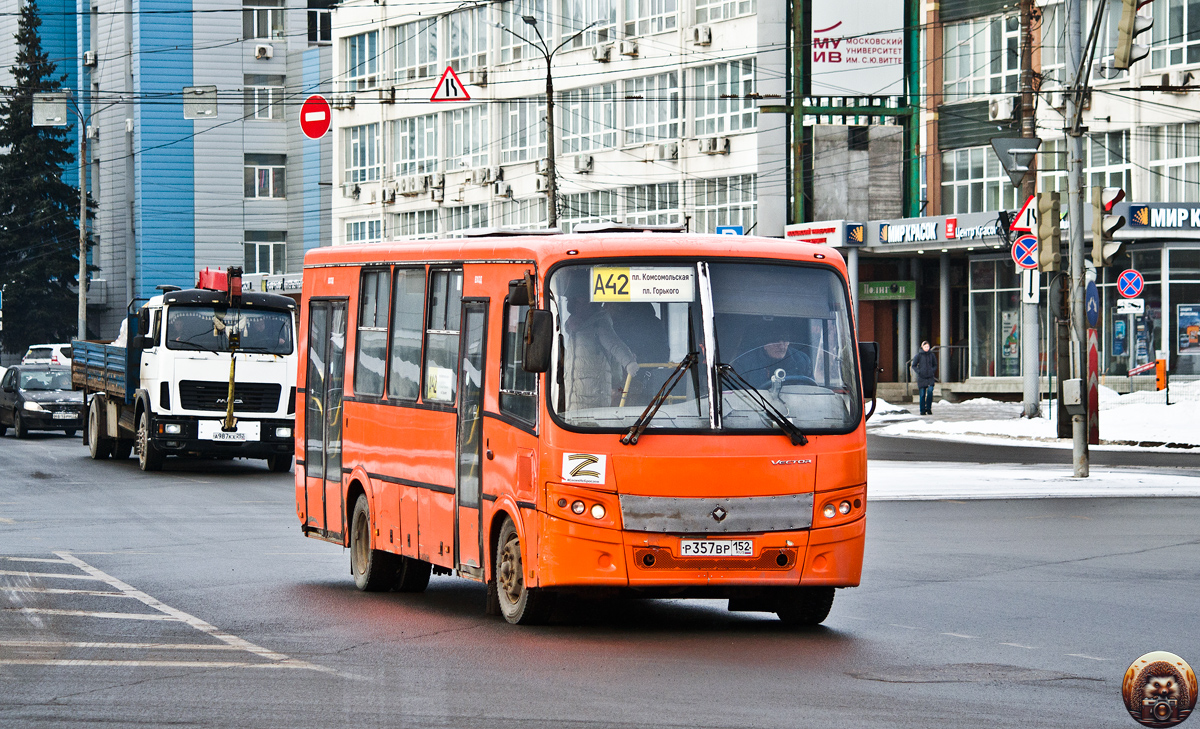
[
  {"x": 30, "y": 405},
  {"x": 283, "y": 432},
  {"x": 830, "y": 512},
  {"x": 597, "y": 511},
  {"x": 577, "y": 507},
  {"x": 844, "y": 508}
]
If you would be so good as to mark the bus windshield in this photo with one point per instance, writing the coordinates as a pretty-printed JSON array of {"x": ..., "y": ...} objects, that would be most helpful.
[
  {"x": 780, "y": 330},
  {"x": 208, "y": 329}
]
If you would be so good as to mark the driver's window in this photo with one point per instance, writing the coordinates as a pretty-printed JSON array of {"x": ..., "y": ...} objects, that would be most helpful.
[{"x": 155, "y": 330}]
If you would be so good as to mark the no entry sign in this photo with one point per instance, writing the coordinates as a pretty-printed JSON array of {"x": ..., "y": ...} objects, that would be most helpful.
[{"x": 315, "y": 117}]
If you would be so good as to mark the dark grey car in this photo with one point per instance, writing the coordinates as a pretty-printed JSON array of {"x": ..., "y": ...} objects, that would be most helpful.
[{"x": 38, "y": 397}]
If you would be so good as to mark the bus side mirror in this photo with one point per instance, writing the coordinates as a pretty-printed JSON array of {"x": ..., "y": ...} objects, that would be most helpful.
[
  {"x": 868, "y": 360},
  {"x": 518, "y": 294},
  {"x": 539, "y": 336}
]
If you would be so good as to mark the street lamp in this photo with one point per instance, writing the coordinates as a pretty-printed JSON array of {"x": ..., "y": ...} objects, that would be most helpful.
[{"x": 544, "y": 49}]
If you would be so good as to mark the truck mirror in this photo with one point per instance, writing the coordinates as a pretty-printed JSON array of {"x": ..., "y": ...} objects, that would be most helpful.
[
  {"x": 143, "y": 341},
  {"x": 868, "y": 360},
  {"x": 539, "y": 337}
]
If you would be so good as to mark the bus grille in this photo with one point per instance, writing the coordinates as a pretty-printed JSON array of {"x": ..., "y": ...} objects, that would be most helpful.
[
  {"x": 777, "y": 559},
  {"x": 248, "y": 397}
]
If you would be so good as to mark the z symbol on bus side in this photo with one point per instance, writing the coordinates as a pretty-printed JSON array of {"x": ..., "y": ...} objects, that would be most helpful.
[{"x": 583, "y": 468}]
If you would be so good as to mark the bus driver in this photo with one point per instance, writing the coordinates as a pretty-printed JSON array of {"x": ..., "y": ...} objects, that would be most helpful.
[{"x": 760, "y": 364}]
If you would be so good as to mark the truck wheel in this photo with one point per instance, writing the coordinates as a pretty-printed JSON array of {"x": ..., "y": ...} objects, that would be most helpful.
[
  {"x": 373, "y": 569},
  {"x": 149, "y": 457},
  {"x": 519, "y": 604},
  {"x": 99, "y": 446},
  {"x": 121, "y": 448},
  {"x": 804, "y": 606},
  {"x": 281, "y": 463},
  {"x": 19, "y": 428}
]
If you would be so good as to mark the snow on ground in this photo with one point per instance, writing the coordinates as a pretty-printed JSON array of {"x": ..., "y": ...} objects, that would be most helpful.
[{"x": 915, "y": 480}]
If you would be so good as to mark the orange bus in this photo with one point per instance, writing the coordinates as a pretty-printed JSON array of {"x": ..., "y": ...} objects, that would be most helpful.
[{"x": 649, "y": 413}]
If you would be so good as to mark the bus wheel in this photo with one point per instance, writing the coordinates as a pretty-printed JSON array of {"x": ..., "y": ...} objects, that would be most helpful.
[
  {"x": 413, "y": 575},
  {"x": 149, "y": 457},
  {"x": 520, "y": 605},
  {"x": 373, "y": 570},
  {"x": 99, "y": 446},
  {"x": 121, "y": 448},
  {"x": 804, "y": 606}
]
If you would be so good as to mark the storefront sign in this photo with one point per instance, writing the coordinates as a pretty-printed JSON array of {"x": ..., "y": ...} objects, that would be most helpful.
[
  {"x": 858, "y": 48},
  {"x": 1188, "y": 318},
  {"x": 827, "y": 233},
  {"x": 887, "y": 290},
  {"x": 964, "y": 230}
]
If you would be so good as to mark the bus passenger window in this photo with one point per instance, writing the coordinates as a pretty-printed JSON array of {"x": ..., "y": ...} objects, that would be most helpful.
[
  {"x": 518, "y": 388},
  {"x": 441, "y": 348},
  {"x": 372, "y": 333},
  {"x": 408, "y": 314}
]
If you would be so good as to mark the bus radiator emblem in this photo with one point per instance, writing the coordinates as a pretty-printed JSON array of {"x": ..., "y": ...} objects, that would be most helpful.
[{"x": 718, "y": 514}]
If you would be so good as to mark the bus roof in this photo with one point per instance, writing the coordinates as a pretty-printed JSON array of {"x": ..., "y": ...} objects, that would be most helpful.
[{"x": 549, "y": 249}]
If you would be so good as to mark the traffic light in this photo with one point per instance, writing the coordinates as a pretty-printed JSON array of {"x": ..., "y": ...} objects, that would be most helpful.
[
  {"x": 1131, "y": 26},
  {"x": 1048, "y": 232},
  {"x": 1104, "y": 224}
]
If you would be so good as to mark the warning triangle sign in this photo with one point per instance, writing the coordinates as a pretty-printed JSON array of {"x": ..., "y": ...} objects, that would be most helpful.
[{"x": 449, "y": 88}]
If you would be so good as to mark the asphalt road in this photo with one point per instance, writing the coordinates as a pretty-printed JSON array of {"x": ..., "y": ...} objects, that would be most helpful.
[
  {"x": 894, "y": 448},
  {"x": 189, "y": 598}
]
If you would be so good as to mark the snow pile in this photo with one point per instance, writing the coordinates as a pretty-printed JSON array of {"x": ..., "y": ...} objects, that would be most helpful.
[
  {"x": 910, "y": 480},
  {"x": 886, "y": 412}
]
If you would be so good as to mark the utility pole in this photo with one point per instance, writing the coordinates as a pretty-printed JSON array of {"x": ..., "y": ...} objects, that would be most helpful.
[
  {"x": 1075, "y": 130},
  {"x": 1030, "y": 365}
]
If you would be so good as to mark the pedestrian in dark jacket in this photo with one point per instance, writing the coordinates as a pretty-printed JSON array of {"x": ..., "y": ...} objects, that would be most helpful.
[{"x": 925, "y": 364}]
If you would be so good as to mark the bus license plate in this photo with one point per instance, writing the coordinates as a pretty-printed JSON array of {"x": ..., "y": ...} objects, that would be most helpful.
[
  {"x": 716, "y": 547},
  {"x": 211, "y": 430}
]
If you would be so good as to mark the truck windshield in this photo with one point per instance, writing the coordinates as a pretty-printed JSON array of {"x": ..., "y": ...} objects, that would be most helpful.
[
  {"x": 784, "y": 329},
  {"x": 208, "y": 329}
]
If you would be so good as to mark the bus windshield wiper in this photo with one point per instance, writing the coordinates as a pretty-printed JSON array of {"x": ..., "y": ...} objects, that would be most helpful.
[
  {"x": 726, "y": 373},
  {"x": 639, "y": 425}
]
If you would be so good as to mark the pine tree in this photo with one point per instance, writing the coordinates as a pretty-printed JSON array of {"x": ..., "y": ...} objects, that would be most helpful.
[{"x": 39, "y": 238}]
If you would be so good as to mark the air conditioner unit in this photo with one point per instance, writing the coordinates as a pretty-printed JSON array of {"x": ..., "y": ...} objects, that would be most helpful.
[
  {"x": 584, "y": 163},
  {"x": 1177, "y": 80},
  {"x": 542, "y": 166},
  {"x": 437, "y": 194},
  {"x": 351, "y": 190},
  {"x": 477, "y": 77},
  {"x": 602, "y": 52},
  {"x": 541, "y": 184},
  {"x": 1003, "y": 109},
  {"x": 264, "y": 51},
  {"x": 629, "y": 48},
  {"x": 437, "y": 179},
  {"x": 343, "y": 101},
  {"x": 414, "y": 185},
  {"x": 667, "y": 151},
  {"x": 389, "y": 194},
  {"x": 89, "y": 59},
  {"x": 714, "y": 145},
  {"x": 481, "y": 175},
  {"x": 93, "y": 131},
  {"x": 387, "y": 94},
  {"x": 502, "y": 189},
  {"x": 129, "y": 126},
  {"x": 701, "y": 35}
]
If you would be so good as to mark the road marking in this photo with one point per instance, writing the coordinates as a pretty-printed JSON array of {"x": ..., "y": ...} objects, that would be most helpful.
[
  {"x": 91, "y": 614},
  {"x": 906, "y": 627},
  {"x": 1084, "y": 655},
  {"x": 33, "y": 559},
  {"x": 55, "y": 575},
  {"x": 109, "y": 645},
  {"x": 63, "y": 591},
  {"x": 959, "y": 635},
  {"x": 1018, "y": 645},
  {"x": 6, "y": 520},
  {"x": 195, "y": 622},
  {"x": 107, "y": 663}
]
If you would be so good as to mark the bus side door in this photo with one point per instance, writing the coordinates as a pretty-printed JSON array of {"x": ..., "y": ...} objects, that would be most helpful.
[
  {"x": 324, "y": 507},
  {"x": 468, "y": 515}
]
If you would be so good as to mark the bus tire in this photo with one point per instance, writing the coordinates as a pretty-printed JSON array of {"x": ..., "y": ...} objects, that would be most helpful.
[
  {"x": 373, "y": 570},
  {"x": 99, "y": 446},
  {"x": 121, "y": 448},
  {"x": 413, "y": 575},
  {"x": 149, "y": 457},
  {"x": 804, "y": 606},
  {"x": 280, "y": 463},
  {"x": 520, "y": 605}
]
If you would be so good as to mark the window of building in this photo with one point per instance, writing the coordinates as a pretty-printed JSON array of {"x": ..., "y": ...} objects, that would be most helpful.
[
  {"x": 973, "y": 182},
  {"x": 580, "y": 14},
  {"x": 653, "y": 204},
  {"x": 858, "y": 139},
  {"x": 643, "y": 17},
  {"x": 320, "y": 21},
  {"x": 374, "y": 300},
  {"x": 416, "y": 224},
  {"x": 263, "y": 97},
  {"x": 530, "y": 213},
  {"x": 262, "y": 19},
  {"x": 465, "y": 217},
  {"x": 995, "y": 319},
  {"x": 1108, "y": 160},
  {"x": 652, "y": 108},
  {"x": 364, "y": 231},
  {"x": 710, "y": 11},
  {"x": 724, "y": 98},
  {"x": 362, "y": 61},
  {"x": 588, "y": 207},
  {"x": 1175, "y": 37},
  {"x": 522, "y": 130},
  {"x": 981, "y": 57},
  {"x": 264, "y": 176},
  {"x": 467, "y": 137},
  {"x": 408, "y": 319},
  {"x": 518, "y": 388},
  {"x": 468, "y": 38},
  {"x": 587, "y": 119},
  {"x": 416, "y": 145},
  {"x": 362, "y": 153},
  {"x": 266, "y": 251},
  {"x": 441, "y": 333},
  {"x": 512, "y": 13},
  {"x": 726, "y": 201},
  {"x": 1054, "y": 44},
  {"x": 1175, "y": 163},
  {"x": 415, "y": 50}
]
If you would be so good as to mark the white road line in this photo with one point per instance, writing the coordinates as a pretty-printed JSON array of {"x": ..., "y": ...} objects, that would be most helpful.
[
  {"x": 1018, "y": 645},
  {"x": 1090, "y": 658},
  {"x": 92, "y": 614},
  {"x": 63, "y": 591},
  {"x": 6, "y": 520},
  {"x": 906, "y": 627},
  {"x": 192, "y": 620},
  {"x": 958, "y": 635},
  {"x": 33, "y": 559},
  {"x": 148, "y": 664},
  {"x": 55, "y": 575},
  {"x": 106, "y": 646}
]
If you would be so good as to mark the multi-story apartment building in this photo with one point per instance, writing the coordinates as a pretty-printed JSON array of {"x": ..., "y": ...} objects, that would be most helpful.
[{"x": 656, "y": 115}]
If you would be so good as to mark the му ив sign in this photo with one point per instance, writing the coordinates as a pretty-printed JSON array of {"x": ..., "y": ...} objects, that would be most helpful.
[{"x": 858, "y": 48}]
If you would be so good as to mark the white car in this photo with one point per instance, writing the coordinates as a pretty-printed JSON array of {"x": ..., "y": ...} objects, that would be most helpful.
[{"x": 51, "y": 354}]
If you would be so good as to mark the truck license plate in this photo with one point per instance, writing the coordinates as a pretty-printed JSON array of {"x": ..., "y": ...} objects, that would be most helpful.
[
  {"x": 247, "y": 432},
  {"x": 716, "y": 547},
  {"x": 65, "y": 416}
]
